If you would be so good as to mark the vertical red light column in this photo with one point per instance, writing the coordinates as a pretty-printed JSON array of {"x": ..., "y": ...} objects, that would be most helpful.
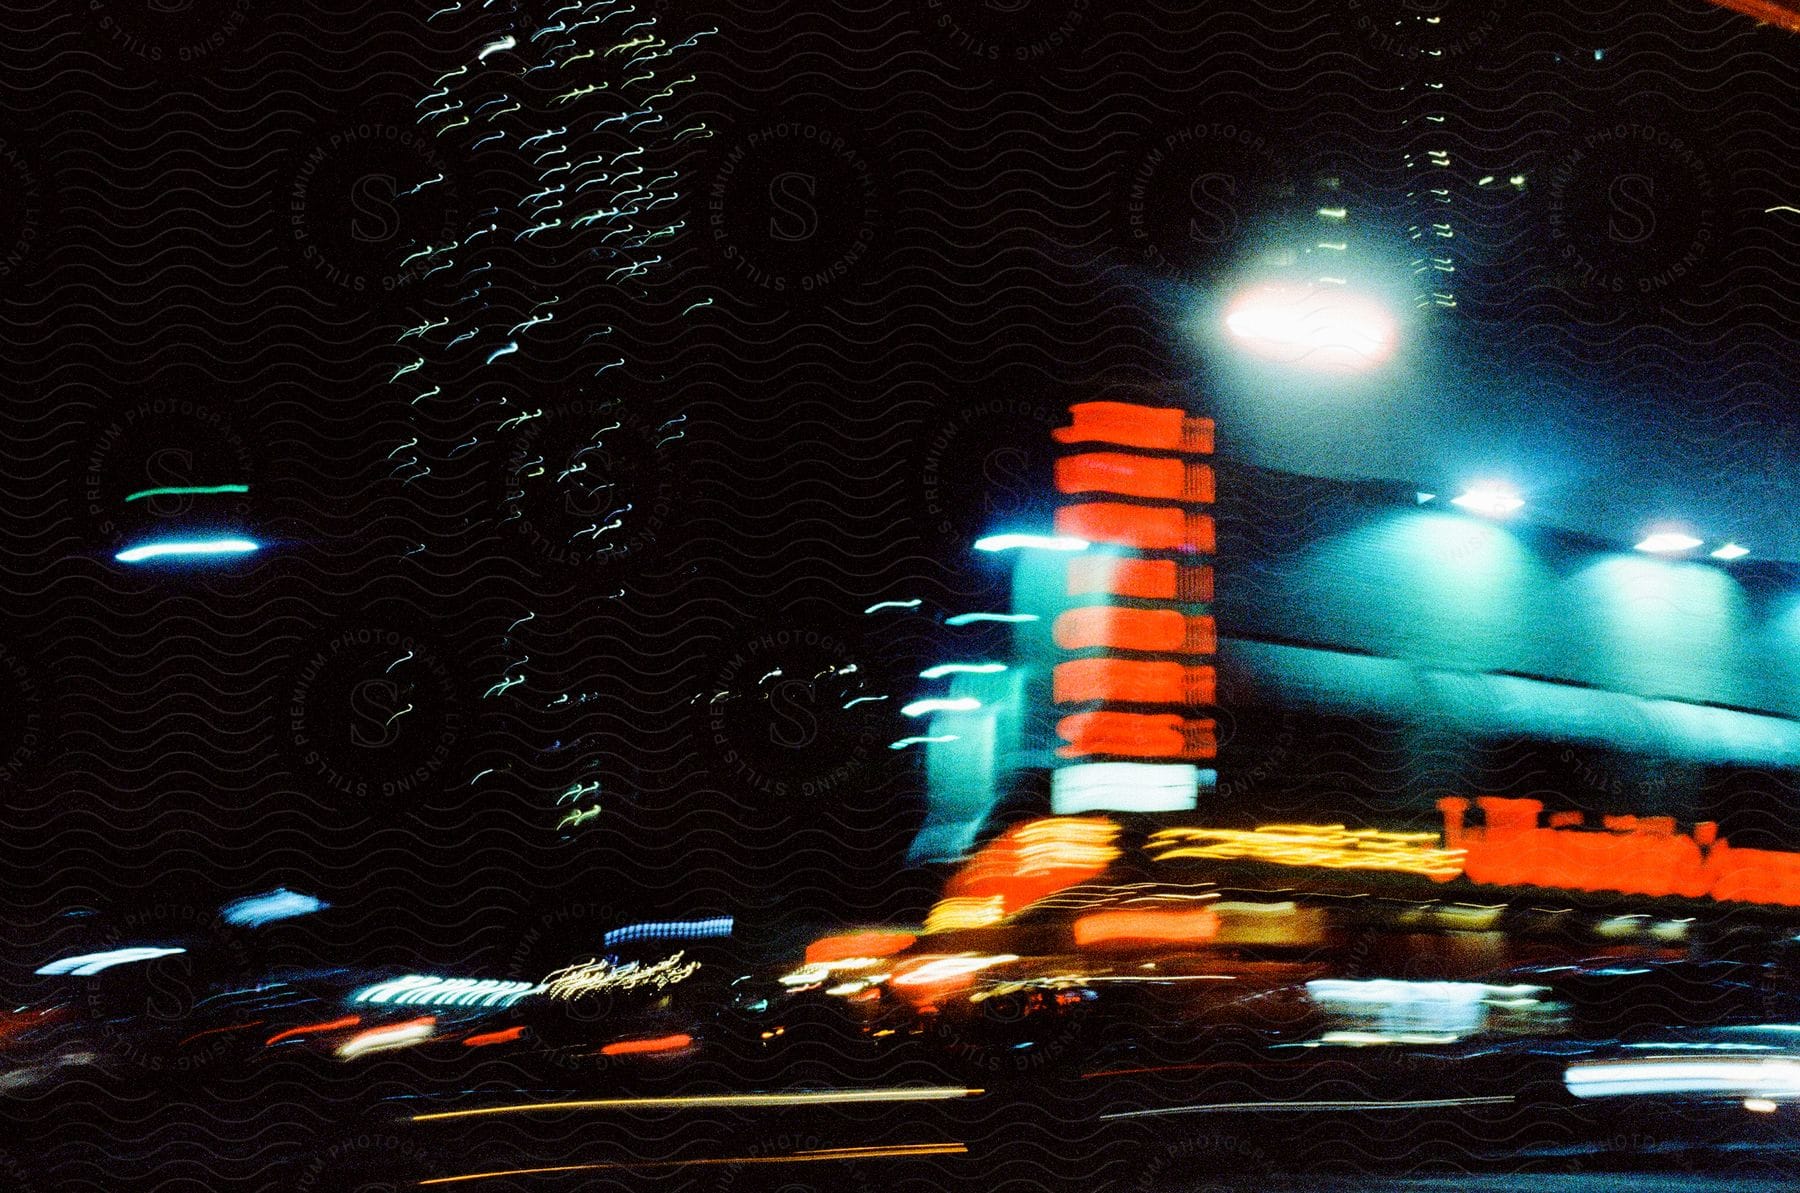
[{"x": 1136, "y": 681}]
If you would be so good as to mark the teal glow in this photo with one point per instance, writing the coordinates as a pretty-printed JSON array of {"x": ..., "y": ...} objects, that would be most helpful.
[
  {"x": 176, "y": 548},
  {"x": 1663, "y": 628},
  {"x": 184, "y": 490},
  {"x": 919, "y": 708},
  {"x": 1424, "y": 584},
  {"x": 971, "y": 618}
]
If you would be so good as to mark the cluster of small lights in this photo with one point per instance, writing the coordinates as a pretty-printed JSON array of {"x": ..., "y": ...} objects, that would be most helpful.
[
  {"x": 669, "y": 930},
  {"x": 429, "y": 990},
  {"x": 591, "y": 977}
]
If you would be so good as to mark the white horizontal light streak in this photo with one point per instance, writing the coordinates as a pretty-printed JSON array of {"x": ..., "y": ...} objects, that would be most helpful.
[
  {"x": 417, "y": 989},
  {"x": 88, "y": 964},
  {"x": 1346, "y": 1104},
  {"x": 185, "y": 547},
  {"x": 1683, "y": 1075}
]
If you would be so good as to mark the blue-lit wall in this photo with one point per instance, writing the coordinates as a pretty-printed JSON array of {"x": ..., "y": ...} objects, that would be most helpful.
[{"x": 1442, "y": 649}]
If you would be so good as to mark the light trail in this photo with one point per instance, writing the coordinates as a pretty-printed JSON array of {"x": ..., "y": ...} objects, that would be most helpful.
[
  {"x": 874, "y": 1152},
  {"x": 1344, "y": 1104},
  {"x": 186, "y": 490},
  {"x": 177, "y": 548},
  {"x": 827, "y": 1097}
]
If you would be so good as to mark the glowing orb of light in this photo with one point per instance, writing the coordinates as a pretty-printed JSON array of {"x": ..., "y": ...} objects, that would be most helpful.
[{"x": 1313, "y": 326}]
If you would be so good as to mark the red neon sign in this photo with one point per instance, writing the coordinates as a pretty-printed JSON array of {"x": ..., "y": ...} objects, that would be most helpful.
[
  {"x": 1166, "y": 477},
  {"x": 1137, "y": 735},
  {"x": 1168, "y": 428},
  {"x": 1131, "y": 681},
  {"x": 1154, "y": 631},
  {"x": 1144, "y": 579},
  {"x": 1145, "y": 527}
]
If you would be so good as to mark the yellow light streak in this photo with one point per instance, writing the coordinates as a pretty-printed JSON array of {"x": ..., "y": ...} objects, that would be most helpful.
[
  {"x": 876, "y": 1152},
  {"x": 1329, "y": 846},
  {"x": 827, "y": 1097}
]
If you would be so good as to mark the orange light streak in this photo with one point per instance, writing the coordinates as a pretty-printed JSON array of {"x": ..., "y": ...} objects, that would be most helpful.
[
  {"x": 857, "y": 944},
  {"x": 651, "y": 1044},
  {"x": 1138, "y": 927},
  {"x": 309, "y": 1028}
]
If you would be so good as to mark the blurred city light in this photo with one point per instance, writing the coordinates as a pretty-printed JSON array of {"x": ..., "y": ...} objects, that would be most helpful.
[
  {"x": 943, "y": 669},
  {"x": 919, "y": 708},
  {"x": 279, "y": 904},
  {"x": 1040, "y": 542},
  {"x": 183, "y": 548},
  {"x": 1493, "y": 501},
  {"x": 1731, "y": 551},
  {"x": 89, "y": 964},
  {"x": 1668, "y": 542},
  {"x": 1314, "y": 326}
]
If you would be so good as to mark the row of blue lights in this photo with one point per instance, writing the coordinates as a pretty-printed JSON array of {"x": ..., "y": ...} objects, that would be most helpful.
[{"x": 1496, "y": 501}]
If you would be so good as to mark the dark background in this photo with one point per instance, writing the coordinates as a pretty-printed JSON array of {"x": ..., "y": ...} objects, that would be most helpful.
[{"x": 994, "y": 239}]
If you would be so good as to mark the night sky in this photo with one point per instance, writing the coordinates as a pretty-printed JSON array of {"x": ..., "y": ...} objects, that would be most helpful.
[{"x": 905, "y": 238}]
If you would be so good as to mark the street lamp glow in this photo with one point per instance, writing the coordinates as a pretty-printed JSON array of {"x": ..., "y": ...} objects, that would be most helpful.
[
  {"x": 1040, "y": 542},
  {"x": 1489, "y": 500},
  {"x": 180, "y": 548},
  {"x": 1668, "y": 542},
  {"x": 1731, "y": 551},
  {"x": 919, "y": 708},
  {"x": 1312, "y": 325},
  {"x": 943, "y": 669}
]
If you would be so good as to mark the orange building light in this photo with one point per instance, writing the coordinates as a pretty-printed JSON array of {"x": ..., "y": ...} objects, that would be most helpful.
[
  {"x": 1167, "y": 477},
  {"x": 1137, "y": 735},
  {"x": 1165, "y": 428},
  {"x": 1130, "y": 681},
  {"x": 1146, "y": 927},
  {"x": 1144, "y": 527},
  {"x": 857, "y": 944},
  {"x": 1143, "y": 579},
  {"x": 1154, "y": 631}
]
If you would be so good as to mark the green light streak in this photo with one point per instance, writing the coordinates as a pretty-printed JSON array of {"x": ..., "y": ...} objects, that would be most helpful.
[{"x": 180, "y": 490}]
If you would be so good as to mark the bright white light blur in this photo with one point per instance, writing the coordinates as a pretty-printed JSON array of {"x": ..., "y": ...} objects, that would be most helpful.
[
  {"x": 919, "y": 708},
  {"x": 89, "y": 964},
  {"x": 943, "y": 669},
  {"x": 432, "y": 990},
  {"x": 1041, "y": 542},
  {"x": 1124, "y": 787},
  {"x": 185, "y": 547},
  {"x": 1312, "y": 325},
  {"x": 1731, "y": 551},
  {"x": 380, "y": 1039},
  {"x": 1668, "y": 542},
  {"x": 948, "y": 969},
  {"x": 1761, "y": 1105},
  {"x": 1493, "y": 501},
  {"x": 278, "y": 904},
  {"x": 1752, "y": 1077}
]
